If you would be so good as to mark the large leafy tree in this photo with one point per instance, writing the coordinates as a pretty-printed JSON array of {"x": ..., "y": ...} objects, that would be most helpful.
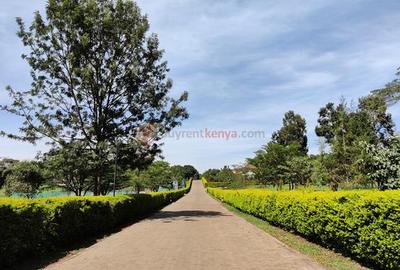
[
  {"x": 190, "y": 171},
  {"x": 293, "y": 131},
  {"x": 297, "y": 171},
  {"x": 211, "y": 174},
  {"x": 226, "y": 175},
  {"x": 391, "y": 92},
  {"x": 268, "y": 162},
  {"x": 375, "y": 108},
  {"x": 98, "y": 77},
  {"x": 158, "y": 175},
  {"x": 135, "y": 179},
  {"x": 382, "y": 164},
  {"x": 5, "y": 166},
  {"x": 328, "y": 121},
  {"x": 370, "y": 120},
  {"x": 25, "y": 177},
  {"x": 183, "y": 173},
  {"x": 70, "y": 167},
  {"x": 345, "y": 128}
]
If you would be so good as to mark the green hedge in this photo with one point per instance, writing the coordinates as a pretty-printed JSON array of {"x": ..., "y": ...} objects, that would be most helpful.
[
  {"x": 204, "y": 182},
  {"x": 362, "y": 224},
  {"x": 31, "y": 227},
  {"x": 210, "y": 184}
]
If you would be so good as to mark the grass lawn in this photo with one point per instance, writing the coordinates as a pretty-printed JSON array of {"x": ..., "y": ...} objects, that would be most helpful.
[{"x": 324, "y": 256}]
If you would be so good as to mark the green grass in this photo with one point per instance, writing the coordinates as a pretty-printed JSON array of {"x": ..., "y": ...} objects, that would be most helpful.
[
  {"x": 255, "y": 185},
  {"x": 324, "y": 256}
]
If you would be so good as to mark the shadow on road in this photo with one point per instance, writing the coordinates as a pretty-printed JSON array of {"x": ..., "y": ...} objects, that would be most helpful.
[
  {"x": 41, "y": 261},
  {"x": 185, "y": 215}
]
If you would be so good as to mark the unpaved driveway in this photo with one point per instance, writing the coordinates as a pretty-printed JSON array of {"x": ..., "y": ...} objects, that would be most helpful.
[{"x": 195, "y": 232}]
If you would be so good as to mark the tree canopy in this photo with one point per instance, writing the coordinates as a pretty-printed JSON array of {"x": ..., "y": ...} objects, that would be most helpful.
[
  {"x": 293, "y": 131},
  {"x": 25, "y": 177},
  {"x": 98, "y": 78}
]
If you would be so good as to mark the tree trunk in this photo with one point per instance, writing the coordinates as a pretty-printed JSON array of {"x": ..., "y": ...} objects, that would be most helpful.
[{"x": 97, "y": 186}]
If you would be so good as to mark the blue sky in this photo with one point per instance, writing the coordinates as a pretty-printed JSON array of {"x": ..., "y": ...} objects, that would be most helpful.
[{"x": 244, "y": 63}]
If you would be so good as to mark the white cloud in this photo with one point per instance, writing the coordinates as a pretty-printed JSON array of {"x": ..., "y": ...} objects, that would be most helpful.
[{"x": 245, "y": 63}]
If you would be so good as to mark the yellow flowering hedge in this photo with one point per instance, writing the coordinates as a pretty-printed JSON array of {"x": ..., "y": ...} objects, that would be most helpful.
[
  {"x": 30, "y": 227},
  {"x": 205, "y": 182},
  {"x": 362, "y": 224}
]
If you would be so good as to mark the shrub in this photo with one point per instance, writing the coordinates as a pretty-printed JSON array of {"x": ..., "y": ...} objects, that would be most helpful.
[
  {"x": 24, "y": 177},
  {"x": 29, "y": 227},
  {"x": 362, "y": 224},
  {"x": 205, "y": 182}
]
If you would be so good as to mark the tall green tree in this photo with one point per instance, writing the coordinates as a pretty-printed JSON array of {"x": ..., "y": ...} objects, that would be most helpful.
[
  {"x": 297, "y": 171},
  {"x": 211, "y": 174},
  {"x": 190, "y": 171},
  {"x": 382, "y": 164},
  {"x": 226, "y": 175},
  {"x": 70, "y": 167},
  {"x": 158, "y": 175},
  {"x": 391, "y": 92},
  {"x": 269, "y": 161},
  {"x": 183, "y": 173},
  {"x": 293, "y": 131},
  {"x": 97, "y": 77},
  {"x": 5, "y": 166},
  {"x": 345, "y": 129},
  {"x": 135, "y": 179},
  {"x": 25, "y": 177},
  {"x": 375, "y": 107},
  {"x": 328, "y": 121}
]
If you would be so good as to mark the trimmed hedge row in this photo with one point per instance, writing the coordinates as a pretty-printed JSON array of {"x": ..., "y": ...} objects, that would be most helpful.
[
  {"x": 204, "y": 182},
  {"x": 30, "y": 227},
  {"x": 362, "y": 224}
]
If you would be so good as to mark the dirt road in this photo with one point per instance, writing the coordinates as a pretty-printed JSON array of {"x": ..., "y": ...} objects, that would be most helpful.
[{"x": 196, "y": 232}]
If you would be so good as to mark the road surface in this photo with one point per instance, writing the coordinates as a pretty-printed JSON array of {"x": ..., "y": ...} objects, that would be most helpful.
[{"x": 196, "y": 232}]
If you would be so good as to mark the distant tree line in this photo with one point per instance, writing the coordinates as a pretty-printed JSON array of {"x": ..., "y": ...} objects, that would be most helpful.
[
  {"x": 358, "y": 147},
  {"x": 99, "y": 95},
  {"x": 355, "y": 142},
  {"x": 27, "y": 178}
]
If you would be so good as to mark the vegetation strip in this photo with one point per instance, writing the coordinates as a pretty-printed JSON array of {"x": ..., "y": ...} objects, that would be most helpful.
[
  {"x": 361, "y": 224},
  {"x": 324, "y": 256},
  {"x": 31, "y": 227}
]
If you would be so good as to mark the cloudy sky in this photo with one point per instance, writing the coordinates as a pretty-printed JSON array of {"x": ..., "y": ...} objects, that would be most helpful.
[{"x": 244, "y": 63}]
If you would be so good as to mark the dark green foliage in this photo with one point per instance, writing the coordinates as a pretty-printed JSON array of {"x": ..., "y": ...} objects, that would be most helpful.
[
  {"x": 297, "y": 171},
  {"x": 182, "y": 173},
  {"x": 382, "y": 164},
  {"x": 293, "y": 131},
  {"x": 376, "y": 109},
  {"x": 135, "y": 180},
  {"x": 211, "y": 174},
  {"x": 226, "y": 175},
  {"x": 25, "y": 178},
  {"x": 98, "y": 77},
  {"x": 391, "y": 92},
  {"x": 158, "y": 175},
  {"x": 362, "y": 224},
  {"x": 190, "y": 172},
  {"x": 30, "y": 227},
  {"x": 346, "y": 129},
  {"x": 269, "y": 160},
  {"x": 71, "y": 167},
  {"x": 328, "y": 117},
  {"x": 5, "y": 165}
]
